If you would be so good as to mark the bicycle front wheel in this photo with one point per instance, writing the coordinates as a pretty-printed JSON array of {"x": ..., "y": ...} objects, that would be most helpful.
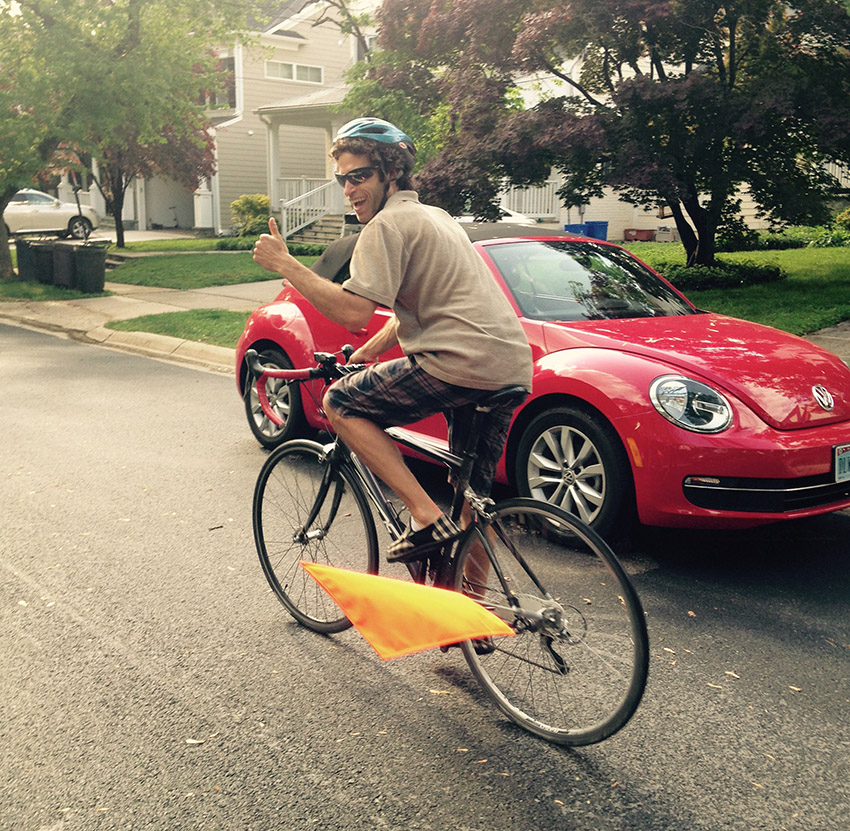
[
  {"x": 575, "y": 670},
  {"x": 307, "y": 509}
]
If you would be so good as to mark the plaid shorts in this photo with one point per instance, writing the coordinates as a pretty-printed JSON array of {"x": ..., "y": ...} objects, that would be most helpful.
[{"x": 400, "y": 392}]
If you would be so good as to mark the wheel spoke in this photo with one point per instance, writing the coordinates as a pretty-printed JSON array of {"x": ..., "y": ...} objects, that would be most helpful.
[
  {"x": 342, "y": 533},
  {"x": 575, "y": 670}
]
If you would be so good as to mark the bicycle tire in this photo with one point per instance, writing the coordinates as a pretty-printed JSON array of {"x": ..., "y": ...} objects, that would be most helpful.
[
  {"x": 343, "y": 534},
  {"x": 578, "y": 677}
]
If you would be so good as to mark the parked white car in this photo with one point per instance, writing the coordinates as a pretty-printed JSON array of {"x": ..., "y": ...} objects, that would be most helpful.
[
  {"x": 507, "y": 215},
  {"x": 32, "y": 211}
]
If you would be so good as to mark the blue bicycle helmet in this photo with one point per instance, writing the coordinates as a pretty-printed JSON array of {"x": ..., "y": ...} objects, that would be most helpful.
[{"x": 377, "y": 130}]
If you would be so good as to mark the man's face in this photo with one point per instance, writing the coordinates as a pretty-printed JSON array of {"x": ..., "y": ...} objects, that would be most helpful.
[{"x": 366, "y": 197}]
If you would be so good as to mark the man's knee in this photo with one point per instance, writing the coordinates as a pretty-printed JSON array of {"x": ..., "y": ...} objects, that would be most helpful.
[{"x": 327, "y": 405}]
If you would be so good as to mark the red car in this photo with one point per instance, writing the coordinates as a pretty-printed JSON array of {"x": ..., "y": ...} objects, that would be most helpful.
[{"x": 643, "y": 405}]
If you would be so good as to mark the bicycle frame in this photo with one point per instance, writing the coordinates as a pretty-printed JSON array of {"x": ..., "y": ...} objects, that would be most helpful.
[{"x": 339, "y": 454}]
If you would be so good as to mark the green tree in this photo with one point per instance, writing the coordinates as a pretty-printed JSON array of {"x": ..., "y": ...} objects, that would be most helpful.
[
  {"x": 118, "y": 81},
  {"x": 668, "y": 102}
]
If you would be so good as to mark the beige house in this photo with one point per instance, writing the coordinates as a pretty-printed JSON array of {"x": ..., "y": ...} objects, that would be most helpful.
[{"x": 294, "y": 61}]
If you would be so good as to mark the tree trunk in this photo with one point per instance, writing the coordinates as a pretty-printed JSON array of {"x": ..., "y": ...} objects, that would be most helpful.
[
  {"x": 117, "y": 211},
  {"x": 701, "y": 248},
  {"x": 6, "y": 270}
]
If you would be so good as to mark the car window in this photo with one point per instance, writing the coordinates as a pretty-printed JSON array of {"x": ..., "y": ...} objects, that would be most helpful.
[
  {"x": 40, "y": 199},
  {"x": 561, "y": 280}
]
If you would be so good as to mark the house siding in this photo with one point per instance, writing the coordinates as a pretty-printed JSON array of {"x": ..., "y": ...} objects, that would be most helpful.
[{"x": 241, "y": 141}]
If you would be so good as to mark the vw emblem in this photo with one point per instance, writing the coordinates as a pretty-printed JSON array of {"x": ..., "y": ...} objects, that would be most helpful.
[{"x": 823, "y": 397}]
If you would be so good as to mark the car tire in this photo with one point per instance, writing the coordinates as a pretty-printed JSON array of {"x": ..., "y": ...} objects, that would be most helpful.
[
  {"x": 572, "y": 458},
  {"x": 79, "y": 227},
  {"x": 284, "y": 399}
]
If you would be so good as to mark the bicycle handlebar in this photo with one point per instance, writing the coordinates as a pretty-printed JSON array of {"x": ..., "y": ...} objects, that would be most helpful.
[{"x": 327, "y": 368}]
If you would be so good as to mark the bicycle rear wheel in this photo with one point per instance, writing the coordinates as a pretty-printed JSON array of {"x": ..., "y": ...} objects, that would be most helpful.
[
  {"x": 575, "y": 671},
  {"x": 296, "y": 482}
]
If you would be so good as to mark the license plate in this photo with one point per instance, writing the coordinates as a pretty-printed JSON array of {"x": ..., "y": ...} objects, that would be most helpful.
[{"x": 842, "y": 462}]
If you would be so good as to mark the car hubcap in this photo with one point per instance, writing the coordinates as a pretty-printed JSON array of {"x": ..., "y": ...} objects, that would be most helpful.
[
  {"x": 565, "y": 469},
  {"x": 279, "y": 402}
]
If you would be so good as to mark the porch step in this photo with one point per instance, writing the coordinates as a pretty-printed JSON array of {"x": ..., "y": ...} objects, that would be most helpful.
[{"x": 322, "y": 232}]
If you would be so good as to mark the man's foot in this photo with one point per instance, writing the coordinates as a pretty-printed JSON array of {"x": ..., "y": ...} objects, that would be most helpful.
[
  {"x": 483, "y": 646},
  {"x": 415, "y": 544}
]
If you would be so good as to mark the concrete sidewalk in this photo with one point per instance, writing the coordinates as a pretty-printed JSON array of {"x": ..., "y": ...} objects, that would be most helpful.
[{"x": 85, "y": 319}]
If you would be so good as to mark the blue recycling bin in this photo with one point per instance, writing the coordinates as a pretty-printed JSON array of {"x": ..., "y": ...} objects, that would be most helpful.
[
  {"x": 581, "y": 229},
  {"x": 597, "y": 230}
]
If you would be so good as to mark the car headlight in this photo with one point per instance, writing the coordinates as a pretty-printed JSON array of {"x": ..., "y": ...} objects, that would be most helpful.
[{"x": 690, "y": 404}]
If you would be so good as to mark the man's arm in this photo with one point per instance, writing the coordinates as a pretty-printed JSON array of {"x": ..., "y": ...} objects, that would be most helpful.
[
  {"x": 332, "y": 300},
  {"x": 382, "y": 341}
]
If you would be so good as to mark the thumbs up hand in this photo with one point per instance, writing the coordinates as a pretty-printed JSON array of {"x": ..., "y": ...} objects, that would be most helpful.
[{"x": 270, "y": 251}]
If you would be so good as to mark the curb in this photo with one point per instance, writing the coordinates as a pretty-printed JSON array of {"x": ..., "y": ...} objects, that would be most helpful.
[{"x": 216, "y": 358}]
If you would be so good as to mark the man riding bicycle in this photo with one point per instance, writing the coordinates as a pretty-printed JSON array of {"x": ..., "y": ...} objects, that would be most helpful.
[{"x": 460, "y": 337}]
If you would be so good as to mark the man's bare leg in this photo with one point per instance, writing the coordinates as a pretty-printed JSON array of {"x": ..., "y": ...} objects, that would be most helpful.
[{"x": 381, "y": 455}]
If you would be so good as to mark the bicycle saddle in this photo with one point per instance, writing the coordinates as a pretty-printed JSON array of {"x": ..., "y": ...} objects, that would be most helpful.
[{"x": 513, "y": 395}]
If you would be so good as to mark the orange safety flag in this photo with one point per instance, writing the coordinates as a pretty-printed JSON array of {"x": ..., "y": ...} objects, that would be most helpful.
[{"x": 397, "y": 617}]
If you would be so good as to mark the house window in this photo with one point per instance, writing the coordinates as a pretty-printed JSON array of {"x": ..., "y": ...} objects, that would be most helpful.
[
  {"x": 224, "y": 97},
  {"x": 294, "y": 72}
]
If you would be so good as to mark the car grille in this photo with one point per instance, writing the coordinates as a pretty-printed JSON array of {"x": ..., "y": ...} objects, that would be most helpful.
[{"x": 774, "y": 496}]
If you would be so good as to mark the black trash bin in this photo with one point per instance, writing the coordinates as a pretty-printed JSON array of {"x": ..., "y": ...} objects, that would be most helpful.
[
  {"x": 42, "y": 253},
  {"x": 26, "y": 260},
  {"x": 90, "y": 262},
  {"x": 64, "y": 272}
]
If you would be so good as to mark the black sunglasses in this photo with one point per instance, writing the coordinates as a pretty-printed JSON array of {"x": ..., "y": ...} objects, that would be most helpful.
[{"x": 355, "y": 177}]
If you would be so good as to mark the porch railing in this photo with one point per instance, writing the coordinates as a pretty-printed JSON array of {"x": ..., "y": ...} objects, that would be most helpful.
[
  {"x": 536, "y": 202},
  {"x": 304, "y": 201}
]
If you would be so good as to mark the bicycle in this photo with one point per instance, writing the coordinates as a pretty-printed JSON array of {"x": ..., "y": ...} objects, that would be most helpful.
[{"x": 574, "y": 671}]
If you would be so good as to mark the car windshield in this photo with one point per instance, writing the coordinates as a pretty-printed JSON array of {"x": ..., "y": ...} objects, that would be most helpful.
[{"x": 561, "y": 280}]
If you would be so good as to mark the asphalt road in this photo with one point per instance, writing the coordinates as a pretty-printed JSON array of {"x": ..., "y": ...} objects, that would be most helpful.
[{"x": 149, "y": 680}]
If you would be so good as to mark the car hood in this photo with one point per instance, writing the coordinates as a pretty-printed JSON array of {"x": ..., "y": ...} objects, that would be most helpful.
[{"x": 772, "y": 372}]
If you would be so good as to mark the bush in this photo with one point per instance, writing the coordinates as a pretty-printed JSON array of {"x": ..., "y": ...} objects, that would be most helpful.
[
  {"x": 250, "y": 214},
  {"x": 830, "y": 238},
  {"x": 720, "y": 275},
  {"x": 297, "y": 249},
  {"x": 734, "y": 235},
  {"x": 842, "y": 221}
]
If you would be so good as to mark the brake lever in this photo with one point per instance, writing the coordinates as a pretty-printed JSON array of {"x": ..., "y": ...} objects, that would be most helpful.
[{"x": 252, "y": 358}]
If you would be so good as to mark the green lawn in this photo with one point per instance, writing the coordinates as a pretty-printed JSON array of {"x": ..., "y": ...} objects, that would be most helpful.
[
  {"x": 815, "y": 295},
  {"x": 195, "y": 271},
  {"x": 214, "y": 326}
]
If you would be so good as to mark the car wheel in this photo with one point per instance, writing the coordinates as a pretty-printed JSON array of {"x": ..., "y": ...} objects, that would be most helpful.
[
  {"x": 284, "y": 399},
  {"x": 79, "y": 227},
  {"x": 573, "y": 459}
]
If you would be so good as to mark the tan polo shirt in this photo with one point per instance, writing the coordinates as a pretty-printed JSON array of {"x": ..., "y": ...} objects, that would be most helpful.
[{"x": 453, "y": 317}]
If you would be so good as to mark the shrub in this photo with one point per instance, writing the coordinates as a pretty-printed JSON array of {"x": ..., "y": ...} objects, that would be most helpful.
[
  {"x": 246, "y": 243},
  {"x": 830, "y": 237},
  {"x": 721, "y": 275},
  {"x": 734, "y": 235},
  {"x": 843, "y": 220},
  {"x": 250, "y": 214}
]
